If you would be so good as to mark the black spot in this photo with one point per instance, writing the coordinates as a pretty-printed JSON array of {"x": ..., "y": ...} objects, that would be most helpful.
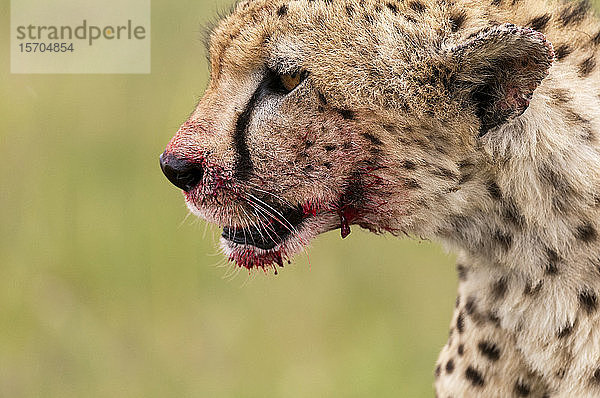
[
  {"x": 438, "y": 370},
  {"x": 586, "y": 233},
  {"x": 378, "y": 9},
  {"x": 417, "y": 6},
  {"x": 450, "y": 366},
  {"x": 539, "y": 23},
  {"x": 322, "y": 98},
  {"x": 574, "y": 13},
  {"x": 503, "y": 239},
  {"x": 588, "y": 300},
  {"x": 410, "y": 18},
  {"x": 596, "y": 39},
  {"x": 327, "y": 164},
  {"x": 309, "y": 168},
  {"x": 565, "y": 331},
  {"x": 554, "y": 178},
  {"x": 522, "y": 389},
  {"x": 374, "y": 140},
  {"x": 409, "y": 165},
  {"x": 496, "y": 3},
  {"x": 369, "y": 18},
  {"x": 389, "y": 128},
  {"x": 531, "y": 290},
  {"x": 346, "y": 114},
  {"x": 282, "y": 10},
  {"x": 330, "y": 147},
  {"x": 349, "y": 10},
  {"x": 563, "y": 51},
  {"x": 392, "y": 7},
  {"x": 347, "y": 145},
  {"x": 465, "y": 177},
  {"x": 463, "y": 164},
  {"x": 460, "y": 322},
  {"x": 457, "y": 302},
  {"x": 596, "y": 376},
  {"x": 552, "y": 263},
  {"x": 309, "y": 143},
  {"x": 587, "y": 66},
  {"x": 493, "y": 317},
  {"x": 494, "y": 190},
  {"x": 474, "y": 377},
  {"x": 462, "y": 272},
  {"x": 513, "y": 214},
  {"x": 412, "y": 183},
  {"x": 489, "y": 350},
  {"x": 461, "y": 349},
  {"x": 499, "y": 288},
  {"x": 470, "y": 306},
  {"x": 457, "y": 20}
]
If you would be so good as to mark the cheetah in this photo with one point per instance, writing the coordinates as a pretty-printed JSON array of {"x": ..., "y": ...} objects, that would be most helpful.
[{"x": 473, "y": 123}]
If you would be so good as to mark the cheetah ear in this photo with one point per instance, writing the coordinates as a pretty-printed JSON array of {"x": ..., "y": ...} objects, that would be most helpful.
[{"x": 498, "y": 70}]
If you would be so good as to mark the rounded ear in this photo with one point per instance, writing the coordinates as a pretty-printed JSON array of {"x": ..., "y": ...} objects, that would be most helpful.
[{"x": 498, "y": 70}]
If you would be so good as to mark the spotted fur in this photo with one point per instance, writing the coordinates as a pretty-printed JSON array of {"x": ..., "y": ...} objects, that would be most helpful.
[{"x": 474, "y": 123}]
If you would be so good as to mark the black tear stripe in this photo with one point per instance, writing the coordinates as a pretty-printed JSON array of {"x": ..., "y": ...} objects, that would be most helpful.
[{"x": 243, "y": 165}]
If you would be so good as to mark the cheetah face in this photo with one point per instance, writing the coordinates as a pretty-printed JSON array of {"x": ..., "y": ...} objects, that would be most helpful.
[
  {"x": 278, "y": 170},
  {"x": 309, "y": 124}
]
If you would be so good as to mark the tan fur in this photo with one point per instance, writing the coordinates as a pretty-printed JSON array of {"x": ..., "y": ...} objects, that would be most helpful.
[{"x": 386, "y": 124}]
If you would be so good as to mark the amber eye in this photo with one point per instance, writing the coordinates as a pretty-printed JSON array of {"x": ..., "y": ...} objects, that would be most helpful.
[{"x": 291, "y": 80}]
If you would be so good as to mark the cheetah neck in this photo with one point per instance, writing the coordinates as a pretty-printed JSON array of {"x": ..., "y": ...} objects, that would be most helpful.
[{"x": 530, "y": 218}]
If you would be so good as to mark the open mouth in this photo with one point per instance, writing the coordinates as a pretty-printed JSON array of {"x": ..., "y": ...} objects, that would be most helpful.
[
  {"x": 270, "y": 233},
  {"x": 271, "y": 230}
]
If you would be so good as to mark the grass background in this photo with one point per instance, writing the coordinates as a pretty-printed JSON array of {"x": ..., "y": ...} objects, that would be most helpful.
[{"x": 107, "y": 290}]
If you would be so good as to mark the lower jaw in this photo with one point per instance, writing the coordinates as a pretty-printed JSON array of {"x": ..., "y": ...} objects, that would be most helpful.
[
  {"x": 252, "y": 257},
  {"x": 316, "y": 220}
]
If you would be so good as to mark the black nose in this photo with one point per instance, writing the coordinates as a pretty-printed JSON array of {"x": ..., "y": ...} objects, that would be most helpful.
[{"x": 182, "y": 173}]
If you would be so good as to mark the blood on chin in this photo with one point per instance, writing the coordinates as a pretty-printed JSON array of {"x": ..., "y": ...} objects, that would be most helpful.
[
  {"x": 251, "y": 257},
  {"x": 323, "y": 217}
]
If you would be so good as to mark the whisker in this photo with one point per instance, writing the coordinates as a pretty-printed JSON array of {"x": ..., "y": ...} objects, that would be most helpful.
[
  {"x": 265, "y": 225},
  {"x": 266, "y": 205},
  {"x": 255, "y": 187}
]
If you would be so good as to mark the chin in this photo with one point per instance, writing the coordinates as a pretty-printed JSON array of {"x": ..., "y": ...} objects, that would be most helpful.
[{"x": 272, "y": 235}]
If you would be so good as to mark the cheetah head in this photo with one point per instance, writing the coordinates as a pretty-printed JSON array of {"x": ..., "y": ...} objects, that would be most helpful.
[{"x": 320, "y": 115}]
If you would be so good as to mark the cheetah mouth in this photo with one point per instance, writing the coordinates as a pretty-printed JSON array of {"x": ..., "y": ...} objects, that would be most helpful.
[
  {"x": 275, "y": 239},
  {"x": 265, "y": 234},
  {"x": 270, "y": 232}
]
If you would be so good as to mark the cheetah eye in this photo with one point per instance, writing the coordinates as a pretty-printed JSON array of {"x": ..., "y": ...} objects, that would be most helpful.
[{"x": 289, "y": 81}]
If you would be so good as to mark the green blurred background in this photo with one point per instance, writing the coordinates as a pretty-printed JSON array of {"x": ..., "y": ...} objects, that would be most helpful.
[{"x": 108, "y": 289}]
